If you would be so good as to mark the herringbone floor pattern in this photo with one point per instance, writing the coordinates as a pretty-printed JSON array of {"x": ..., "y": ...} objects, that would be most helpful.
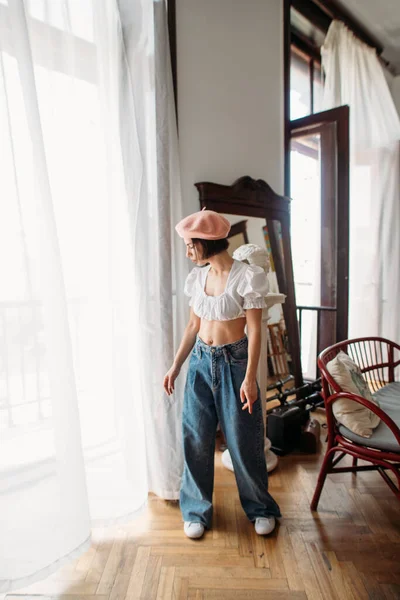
[{"x": 350, "y": 548}]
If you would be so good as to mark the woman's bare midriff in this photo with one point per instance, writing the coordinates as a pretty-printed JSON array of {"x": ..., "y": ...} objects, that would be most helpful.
[{"x": 218, "y": 333}]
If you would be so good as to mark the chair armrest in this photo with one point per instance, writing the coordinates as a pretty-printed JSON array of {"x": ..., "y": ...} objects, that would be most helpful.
[{"x": 370, "y": 405}]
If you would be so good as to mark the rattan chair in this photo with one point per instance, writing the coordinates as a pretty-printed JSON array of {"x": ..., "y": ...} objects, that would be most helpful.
[{"x": 377, "y": 359}]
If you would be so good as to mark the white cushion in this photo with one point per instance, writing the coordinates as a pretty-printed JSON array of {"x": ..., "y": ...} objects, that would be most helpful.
[{"x": 352, "y": 415}]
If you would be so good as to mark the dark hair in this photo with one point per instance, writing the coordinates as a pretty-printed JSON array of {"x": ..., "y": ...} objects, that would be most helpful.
[{"x": 212, "y": 247}]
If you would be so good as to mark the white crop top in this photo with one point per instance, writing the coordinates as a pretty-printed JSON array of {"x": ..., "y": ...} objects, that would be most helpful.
[{"x": 246, "y": 287}]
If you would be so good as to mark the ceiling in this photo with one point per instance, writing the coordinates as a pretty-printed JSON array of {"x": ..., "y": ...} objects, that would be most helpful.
[{"x": 382, "y": 19}]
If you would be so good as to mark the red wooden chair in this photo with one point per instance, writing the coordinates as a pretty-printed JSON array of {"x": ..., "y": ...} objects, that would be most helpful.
[{"x": 377, "y": 359}]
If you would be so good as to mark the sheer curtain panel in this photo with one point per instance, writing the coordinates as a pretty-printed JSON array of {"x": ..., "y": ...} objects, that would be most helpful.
[
  {"x": 355, "y": 77},
  {"x": 89, "y": 270}
]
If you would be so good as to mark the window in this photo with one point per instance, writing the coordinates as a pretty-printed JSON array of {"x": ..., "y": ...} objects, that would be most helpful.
[{"x": 306, "y": 84}]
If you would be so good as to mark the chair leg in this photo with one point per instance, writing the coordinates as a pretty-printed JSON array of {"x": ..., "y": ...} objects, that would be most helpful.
[
  {"x": 355, "y": 461},
  {"x": 321, "y": 477},
  {"x": 392, "y": 486}
]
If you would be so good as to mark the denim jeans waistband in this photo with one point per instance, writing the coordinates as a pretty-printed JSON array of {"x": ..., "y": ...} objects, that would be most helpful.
[{"x": 222, "y": 349}]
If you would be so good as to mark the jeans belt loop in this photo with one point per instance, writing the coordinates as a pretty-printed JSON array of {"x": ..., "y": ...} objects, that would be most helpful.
[
  {"x": 226, "y": 355},
  {"x": 199, "y": 351}
]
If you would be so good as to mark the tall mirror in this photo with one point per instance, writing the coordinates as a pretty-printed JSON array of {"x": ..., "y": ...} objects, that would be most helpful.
[
  {"x": 262, "y": 217},
  {"x": 254, "y": 230}
]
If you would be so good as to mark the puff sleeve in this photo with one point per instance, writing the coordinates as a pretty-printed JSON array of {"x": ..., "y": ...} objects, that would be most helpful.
[
  {"x": 253, "y": 287},
  {"x": 190, "y": 284}
]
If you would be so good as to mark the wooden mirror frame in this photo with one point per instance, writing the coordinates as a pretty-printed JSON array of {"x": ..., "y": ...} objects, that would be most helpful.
[
  {"x": 255, "y": 198},
  {"x": 239, "y": 228}
]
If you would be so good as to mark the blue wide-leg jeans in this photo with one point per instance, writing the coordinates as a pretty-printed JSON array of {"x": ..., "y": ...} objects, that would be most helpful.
[{"x": 212, "y": 395}]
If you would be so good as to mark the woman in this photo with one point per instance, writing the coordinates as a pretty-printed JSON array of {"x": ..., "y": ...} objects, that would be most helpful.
[{"x": 221, "y": 384}]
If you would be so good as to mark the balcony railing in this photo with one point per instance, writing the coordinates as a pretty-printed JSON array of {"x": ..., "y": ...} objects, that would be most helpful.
[{"x": 24, "y": 386}]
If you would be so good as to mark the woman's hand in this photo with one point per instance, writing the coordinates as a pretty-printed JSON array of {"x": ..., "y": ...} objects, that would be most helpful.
[
  {"x": 169, "y": 379},
  {"x": 248, "y": 393}
]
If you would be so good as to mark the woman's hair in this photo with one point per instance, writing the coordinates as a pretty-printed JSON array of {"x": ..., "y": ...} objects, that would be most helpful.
[{"x": 212, "y": 247}]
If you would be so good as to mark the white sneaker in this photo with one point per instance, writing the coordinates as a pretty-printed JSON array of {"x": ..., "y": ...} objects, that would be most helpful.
[
  {"x": 193, "y": 530},
  {"x": 264, "y": 525}
]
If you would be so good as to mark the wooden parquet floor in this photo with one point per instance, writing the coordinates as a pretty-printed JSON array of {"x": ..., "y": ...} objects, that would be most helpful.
[{"x": 350, "y": 548}]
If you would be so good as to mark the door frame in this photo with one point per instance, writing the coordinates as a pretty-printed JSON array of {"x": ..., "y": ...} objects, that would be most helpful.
[{"x": 306, "y": 126}]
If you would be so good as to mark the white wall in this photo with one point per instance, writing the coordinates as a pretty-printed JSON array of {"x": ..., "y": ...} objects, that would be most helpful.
[{"x": 230, "y": 92}]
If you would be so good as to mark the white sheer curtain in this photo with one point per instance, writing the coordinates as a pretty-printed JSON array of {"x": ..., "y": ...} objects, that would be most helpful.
[
  {"x": 354, "y": 76},
  {"x": 89, "y": 268}
]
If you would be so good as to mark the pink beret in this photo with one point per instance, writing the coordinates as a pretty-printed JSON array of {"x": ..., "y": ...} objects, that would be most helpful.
[{"x": 205, "y": 224}]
